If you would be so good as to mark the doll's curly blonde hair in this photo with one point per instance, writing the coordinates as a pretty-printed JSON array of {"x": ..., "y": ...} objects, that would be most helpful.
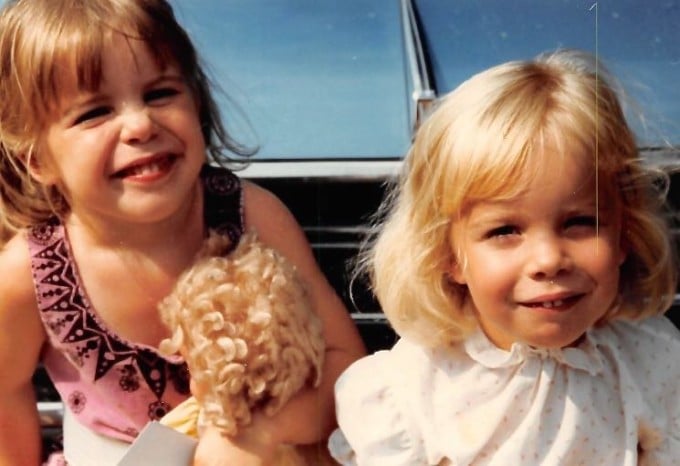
[{"x": 246, "y": 329}]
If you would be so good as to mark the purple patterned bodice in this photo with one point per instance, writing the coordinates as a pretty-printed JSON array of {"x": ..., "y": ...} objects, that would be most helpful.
[{"x": 112, "y": 385}]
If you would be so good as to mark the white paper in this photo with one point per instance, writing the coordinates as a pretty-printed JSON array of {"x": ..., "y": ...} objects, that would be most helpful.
[{"x": 160, "y": 445}]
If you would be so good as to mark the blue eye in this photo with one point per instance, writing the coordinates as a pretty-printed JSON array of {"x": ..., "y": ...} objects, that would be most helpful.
[{"x": 91, "y": 115}]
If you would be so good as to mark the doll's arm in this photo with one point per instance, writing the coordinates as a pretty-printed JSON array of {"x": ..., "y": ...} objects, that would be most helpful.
[{"x": 20, "y": 343}]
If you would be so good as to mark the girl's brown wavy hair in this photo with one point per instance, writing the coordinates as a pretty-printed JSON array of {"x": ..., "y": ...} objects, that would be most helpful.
[{"x": 43, "y": 43}]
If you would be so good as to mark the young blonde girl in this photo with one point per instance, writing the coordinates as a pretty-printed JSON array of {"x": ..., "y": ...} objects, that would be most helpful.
[
  {"x": 525, "y": 262},
  {"x": 110, "y": 154}
]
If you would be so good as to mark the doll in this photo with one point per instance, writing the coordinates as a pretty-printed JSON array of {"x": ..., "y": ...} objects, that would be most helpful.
[{"x": 251, "y": 340}]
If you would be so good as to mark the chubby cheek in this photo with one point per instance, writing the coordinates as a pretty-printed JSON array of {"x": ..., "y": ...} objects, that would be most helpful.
[
  {"x": 490, "y": 283},
  {"x": 609, "y": 279},
  {"x": 605, "y": 259},
  {"x": 490, "y": 292},
  {"x": 489, "y": 275},
  {"x": 484, "y": 267}
]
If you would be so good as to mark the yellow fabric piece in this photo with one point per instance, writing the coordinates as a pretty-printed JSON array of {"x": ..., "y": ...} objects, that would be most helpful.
[{"x": 184, "y": 417}]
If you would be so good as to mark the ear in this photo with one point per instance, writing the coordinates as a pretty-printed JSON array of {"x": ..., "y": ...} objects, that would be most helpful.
[
  {"x": 456, "y": 272},
  {"x": 457, "y": 260},
  {"x": 40, "y": 172}
]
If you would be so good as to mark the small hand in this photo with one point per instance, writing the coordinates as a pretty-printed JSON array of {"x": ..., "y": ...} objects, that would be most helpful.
[{"x": 248, "y": 448}]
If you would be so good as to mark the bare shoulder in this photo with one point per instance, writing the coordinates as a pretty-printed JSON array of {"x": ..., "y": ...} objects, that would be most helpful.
[
  {"x": 20, "y": 323},
  {"x": 263, "y": 210},
  {"x": 274, "y": 223},
  {"x": 15, "y": 263},
  {"x": 277, "y": 227}
]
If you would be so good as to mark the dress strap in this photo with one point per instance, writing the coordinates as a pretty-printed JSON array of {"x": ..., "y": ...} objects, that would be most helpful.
[{"x": 223, "y": 202}]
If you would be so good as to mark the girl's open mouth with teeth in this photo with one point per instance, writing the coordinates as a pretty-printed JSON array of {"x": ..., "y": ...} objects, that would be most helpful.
[
  {"x": 556, "y": 304},
  {"x": 147, "y": 169}
]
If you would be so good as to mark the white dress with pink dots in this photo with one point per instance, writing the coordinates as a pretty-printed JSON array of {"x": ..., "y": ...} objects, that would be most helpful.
[{"x": 613, "y": 400}]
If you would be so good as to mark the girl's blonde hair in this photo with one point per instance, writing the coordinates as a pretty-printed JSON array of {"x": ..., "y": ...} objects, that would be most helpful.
[
  {"x": 479, "y": 144},
  {"x": 43, "y": 43}
]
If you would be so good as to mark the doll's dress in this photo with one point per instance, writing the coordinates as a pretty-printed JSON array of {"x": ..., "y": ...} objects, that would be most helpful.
[
  {"x": 475, "y": 404},
  {"x": 184, "y": 417},
  {"x": 109, "y": 385}
]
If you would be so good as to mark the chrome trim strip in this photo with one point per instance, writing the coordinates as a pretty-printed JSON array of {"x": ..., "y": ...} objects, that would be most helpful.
[
  {"x": 368, "y": 170},
  {"x": 353, "y": 230},
  {"x": 423, "y": 94},
  {"x": 369, "y": 317},
  {"x": 336, "y": 245}
]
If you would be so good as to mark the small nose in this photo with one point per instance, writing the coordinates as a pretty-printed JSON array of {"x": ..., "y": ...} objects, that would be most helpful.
[
  {"x": 138, "y": 125},
  {"x": 548, "y": 257}
]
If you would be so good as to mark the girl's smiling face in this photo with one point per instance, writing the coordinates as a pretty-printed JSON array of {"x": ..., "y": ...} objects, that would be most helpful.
[
  {"x": 131, "y": 150},
  {"x": 542, "y": 267}
]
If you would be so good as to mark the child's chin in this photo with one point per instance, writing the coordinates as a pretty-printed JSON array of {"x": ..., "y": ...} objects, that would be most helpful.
[{"x": 556, "y": 341}]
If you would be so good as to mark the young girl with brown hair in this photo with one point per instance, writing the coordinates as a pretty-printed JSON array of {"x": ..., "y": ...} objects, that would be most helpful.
[{"x": 110, "y": 147}]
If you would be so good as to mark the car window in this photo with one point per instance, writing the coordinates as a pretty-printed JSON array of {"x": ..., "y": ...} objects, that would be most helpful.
[
  {"x": 639, "y": 41},
  {"x": 316, "y": 79},
  {"x": 327, "y": 79}
]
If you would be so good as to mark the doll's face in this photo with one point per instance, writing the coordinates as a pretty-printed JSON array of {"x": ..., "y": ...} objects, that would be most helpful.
[{"x": 543, "y": 267}]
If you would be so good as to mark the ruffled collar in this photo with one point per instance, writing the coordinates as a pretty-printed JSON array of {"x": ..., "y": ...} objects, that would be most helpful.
[{"x": 586, "y": 356}]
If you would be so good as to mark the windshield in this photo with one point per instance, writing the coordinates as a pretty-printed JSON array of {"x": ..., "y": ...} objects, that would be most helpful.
[
  {"x": 638, "y": 41},
  {"x": 320, "y": 79},
  {"x": 316, "y": 79}
]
